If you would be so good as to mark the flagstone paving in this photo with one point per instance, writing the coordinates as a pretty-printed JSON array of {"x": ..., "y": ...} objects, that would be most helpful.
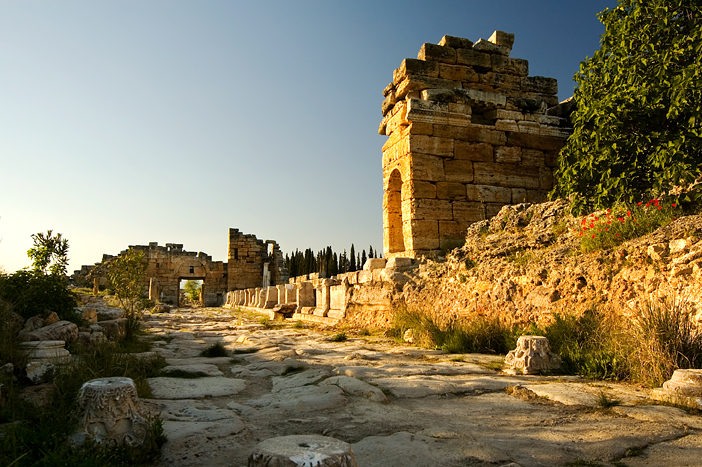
[{"x": 396, "y": 405}]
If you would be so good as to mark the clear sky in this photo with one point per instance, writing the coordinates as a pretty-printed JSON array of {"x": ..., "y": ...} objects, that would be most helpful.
[{"x": 127, "y": 122}]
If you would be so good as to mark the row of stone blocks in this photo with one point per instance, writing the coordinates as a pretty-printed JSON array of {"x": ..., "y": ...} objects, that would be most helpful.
[{"x": 323, "y": 297}]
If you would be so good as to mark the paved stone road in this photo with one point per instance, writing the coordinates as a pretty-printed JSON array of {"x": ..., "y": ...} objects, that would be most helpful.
[{"x": 397, "y": 405}]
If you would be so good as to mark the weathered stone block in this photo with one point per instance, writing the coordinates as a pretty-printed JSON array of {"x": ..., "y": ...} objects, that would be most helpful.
[
  {"x": 430, "y": 209},
  {"x": 433, "y": 145},
  {"x": 519, "y": 195},
  {"x": 510, "y": 66},
  {"x": 531, "y": 141},
  {"x": 551, "y": 158},
  {"x": 419, "y": 189},
  {"x": 465, "y": 211},
  {"x": 438, "y": 53},
  {"x": 508, "y": 154},
  {"x": 537, "y": 196},
  {"x": 546, "y": 178},
  {"x": 478, "y": 60},
  {"x": 533, "y": 158},
  {"x": 418, "y": 83},
  {"x": 455, "y": 107},
  {"x": 450, "y": 190},
  {"x": 492, "y": 209},
  {"x": 494, "y": 137},
  {"x": 502, "y": 38},
  {"x": 456, "y": 42},
  {"x": 506, "y": 125},
  {"x": 486, "y": 46},
  {"x": 458, "y": 73},
  {"x": 452, "y": 230},
  {"x": 502, "y": 114},
  {"x": 421, "y": 128},
  {"x": 506, "y": 175},
  {"x": 458, "y": 170},
  {"x": 501, "y": 81},
  {"x": 481, "y": 152},
  {"x": 414, "y": 67},
  {"x": 425, "y": 234},
  {"x": 489, "y": 194},
  {"x": 540, "y": 85},
  {"x": 451, "y": 131},
  {"x": 529, "y": 127},
  {"x": 426, "y": 167}
]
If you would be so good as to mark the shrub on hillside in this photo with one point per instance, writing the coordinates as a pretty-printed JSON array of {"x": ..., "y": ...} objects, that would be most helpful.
[{"x": 31, "y": 293}]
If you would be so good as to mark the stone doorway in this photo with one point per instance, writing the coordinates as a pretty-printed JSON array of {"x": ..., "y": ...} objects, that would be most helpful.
[{"x": 185, "y": 289}]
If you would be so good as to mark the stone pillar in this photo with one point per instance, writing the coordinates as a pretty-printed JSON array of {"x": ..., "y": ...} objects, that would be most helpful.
[
  {"x": 305, "y": 296},
  {"x": 323, "y": 298},
  {"x": 96, "y": 286}
]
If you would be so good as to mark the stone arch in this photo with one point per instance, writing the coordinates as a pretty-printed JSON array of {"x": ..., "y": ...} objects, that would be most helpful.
[{"x": 395, "y": 242}]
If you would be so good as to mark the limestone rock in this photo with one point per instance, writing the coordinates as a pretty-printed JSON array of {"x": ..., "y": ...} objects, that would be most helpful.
[
  {"x": 302, "y": 451},
  {"x": 89, "y": 315},
  {"x": 179, "y": 388},
  {"x": 356, "y": 387},
  {"x": 59, "y": 331},
  {"x": 13, "y": 322},
  {"x": 532, "y": 355},
  {"x": 32, "y": 324},
  {"x": 162, "y": 308},
  {"x": 40, "y": 372},
  {"x": 51, "y": 319},
  {"x": 113, "y": 328}
]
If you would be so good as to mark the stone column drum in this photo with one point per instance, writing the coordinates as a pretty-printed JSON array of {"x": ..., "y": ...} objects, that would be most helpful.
[
  {"x": 302, "y": 451},
  {"x": 109, "y": 413},
  {"x": 532, "y": 355}
]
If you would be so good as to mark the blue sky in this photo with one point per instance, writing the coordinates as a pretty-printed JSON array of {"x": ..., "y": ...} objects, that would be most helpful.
[{"x": 127, "y": 122}]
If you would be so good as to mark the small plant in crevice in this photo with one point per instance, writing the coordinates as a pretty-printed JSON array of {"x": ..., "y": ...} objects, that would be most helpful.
[
  {"x": 340, "y": 337},
  {"x": 605, "y": 402},
  {"x": 215, "y": 350}
]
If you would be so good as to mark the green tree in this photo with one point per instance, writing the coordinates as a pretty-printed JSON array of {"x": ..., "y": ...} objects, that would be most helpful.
[
  {"x": 639, "y": 107},
  {"x": 192, "y": 290},
  {"x": 127, "y": 274},
  {"x": 49, "y": 252}
]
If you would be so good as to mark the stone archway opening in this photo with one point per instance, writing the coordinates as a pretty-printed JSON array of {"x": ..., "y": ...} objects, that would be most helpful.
[
  {"x": 393, "y": 211},
  {"x": 191, "y": 292}
]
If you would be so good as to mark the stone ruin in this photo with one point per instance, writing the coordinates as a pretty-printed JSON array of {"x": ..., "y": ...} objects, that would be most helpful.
[
  {"x": 251, "y": 263},
  {"x": 469, "y": 132}
]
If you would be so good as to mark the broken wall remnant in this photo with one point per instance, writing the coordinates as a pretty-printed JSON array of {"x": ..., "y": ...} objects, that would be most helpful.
[
  {"x": 469, "y": 131},
  {"x": 253, "y": 262}
]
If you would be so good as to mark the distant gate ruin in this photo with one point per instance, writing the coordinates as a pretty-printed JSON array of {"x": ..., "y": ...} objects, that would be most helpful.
[
  {"x": 469, "y": 132},
  {"x": 251, "y": 263}
]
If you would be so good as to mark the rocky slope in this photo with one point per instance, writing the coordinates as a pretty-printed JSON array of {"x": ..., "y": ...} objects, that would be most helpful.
[{"x": 526, "y": 263}]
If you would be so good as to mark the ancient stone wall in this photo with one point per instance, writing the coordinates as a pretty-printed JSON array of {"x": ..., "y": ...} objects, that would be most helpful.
[
  {"x": 469, "y": 132},
  {"x": 254, "y": 262},
  {"x": 168, "y": 265}
]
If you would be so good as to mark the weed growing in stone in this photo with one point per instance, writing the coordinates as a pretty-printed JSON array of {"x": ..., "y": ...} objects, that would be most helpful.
[
  {"x": 605, "y": 402},
  {"x": 340, "y": 337},
  {"x": 215, "y": 350}
]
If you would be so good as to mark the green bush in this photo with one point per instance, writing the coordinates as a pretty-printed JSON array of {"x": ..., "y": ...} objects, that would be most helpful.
[
  {"x": 32, "y": 293},
  {"x": 340, "y": 337}
]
